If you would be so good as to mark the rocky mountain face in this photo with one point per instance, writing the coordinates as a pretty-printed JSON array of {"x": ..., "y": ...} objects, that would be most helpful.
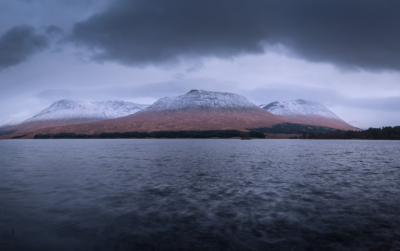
[{"x": 307, "y": 112}]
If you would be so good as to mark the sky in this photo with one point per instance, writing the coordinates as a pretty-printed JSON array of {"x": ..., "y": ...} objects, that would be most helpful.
[{"x": 343, "y": 54}]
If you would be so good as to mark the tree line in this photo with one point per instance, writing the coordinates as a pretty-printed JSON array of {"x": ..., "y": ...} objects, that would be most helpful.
[
  {"x": 159, "y": 134},
  {"x": 291, "y": 128},
  {"x": 386, "y": 132}
]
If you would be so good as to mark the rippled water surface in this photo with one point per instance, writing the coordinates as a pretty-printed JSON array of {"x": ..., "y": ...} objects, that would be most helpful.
[{"x": 199, "y": 195}]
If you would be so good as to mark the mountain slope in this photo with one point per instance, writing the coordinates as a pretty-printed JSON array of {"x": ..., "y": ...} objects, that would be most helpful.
[
  {"x": 307, "y": 112},
  {"x": 198, "y": 99},
  {"x": 196, "y": 110},
  {"x": 70, "y": 112},
  {"x": 69, "y": 109}
]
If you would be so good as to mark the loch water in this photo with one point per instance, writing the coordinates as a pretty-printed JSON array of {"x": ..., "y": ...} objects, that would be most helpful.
[{"x": 199, "y": 194}]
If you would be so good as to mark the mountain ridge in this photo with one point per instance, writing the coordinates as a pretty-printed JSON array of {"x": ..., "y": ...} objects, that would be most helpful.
[
  {"x": 70, "y": 109},
  {"x": 70, "y": 112},
  {"x": 195, "y": 110},
  {"x": 307, "y": 112},
  {"x": 199, "y": 99}
]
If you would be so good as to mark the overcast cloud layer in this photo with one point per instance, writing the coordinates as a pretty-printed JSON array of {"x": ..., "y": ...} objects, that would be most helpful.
[
  {"x": 18, "y": 44},
  {"x": 358, "y": 33},
  {"x": 343, "y": 54}
]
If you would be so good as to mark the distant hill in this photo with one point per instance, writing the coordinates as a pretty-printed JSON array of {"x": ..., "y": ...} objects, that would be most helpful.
[
  {"x": 70, "y": 112},
  {"x": 203, "y": 100},
  {"x": 307, "y": 112}
]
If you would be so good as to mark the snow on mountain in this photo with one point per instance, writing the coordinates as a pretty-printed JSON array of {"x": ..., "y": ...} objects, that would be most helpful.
[
  {"x": 298, "y": 107},
  {"x": 11, "y": 122},
  {"x": 100, "y": 110},
  {"x": 195, "y": 110},
  {"x": 198, "y": 99}
]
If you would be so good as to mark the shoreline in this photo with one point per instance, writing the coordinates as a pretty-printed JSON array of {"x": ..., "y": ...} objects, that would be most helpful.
[{"x": 236, "y": 138}]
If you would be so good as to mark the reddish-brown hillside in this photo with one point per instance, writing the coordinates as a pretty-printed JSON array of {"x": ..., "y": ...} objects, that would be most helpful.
[
  {"x": 36, "y": 125},
  {"x": 175, "y": 120},
  {"x": 70, "y": 112},
  {"x": 317, "y": 120}
]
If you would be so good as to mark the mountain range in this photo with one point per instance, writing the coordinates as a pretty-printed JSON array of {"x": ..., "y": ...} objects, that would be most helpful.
[{"x": 195, "y": 110}]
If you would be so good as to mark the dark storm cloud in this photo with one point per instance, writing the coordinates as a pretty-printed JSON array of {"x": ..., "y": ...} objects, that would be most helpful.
[
  {"x": 18, "y": 44},
  {"x": 357, "y": 33},
  {"x": 54, "y": 30},
  {"x": 154, "y": 31}
]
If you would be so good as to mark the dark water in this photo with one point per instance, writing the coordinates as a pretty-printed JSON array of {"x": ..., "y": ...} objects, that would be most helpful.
[{"x": 199, "y": 195}]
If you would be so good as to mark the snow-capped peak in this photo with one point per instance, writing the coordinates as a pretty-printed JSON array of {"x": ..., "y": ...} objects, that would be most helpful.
[
  {"x": 298, "y": 107},
  {"x": 199, "y": 99},
  {"x": 70, "y": 109}
]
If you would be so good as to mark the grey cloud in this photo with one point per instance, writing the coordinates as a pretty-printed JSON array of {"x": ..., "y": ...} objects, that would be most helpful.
[
  {"x": 18, "y": 44},
  {"x": 136, "y": 32},
  {"x": 52, "y": 95},
  {"x": 325, "y": 96},
  {"x": 390, "y": 104},
  {"x": 287, "y": 92},
  {"x": 153, "y": 91},
  {"x": 350, "y": 34},
  {"x": 53, "y": 30}
]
